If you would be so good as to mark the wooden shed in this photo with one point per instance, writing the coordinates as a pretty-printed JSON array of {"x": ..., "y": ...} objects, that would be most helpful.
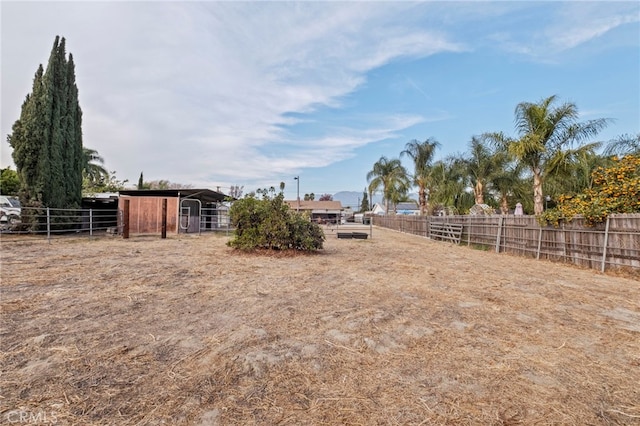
[{"x": 188, "y": 210}]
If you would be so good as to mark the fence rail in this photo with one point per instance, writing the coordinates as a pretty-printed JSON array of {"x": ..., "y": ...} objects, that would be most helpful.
[
  {"x": 50, "y": 223},
  {"x": 614, "y": 244}
]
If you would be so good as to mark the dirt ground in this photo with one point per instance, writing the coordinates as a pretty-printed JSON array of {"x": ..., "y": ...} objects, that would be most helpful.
[{"x": 394, "y": 330}]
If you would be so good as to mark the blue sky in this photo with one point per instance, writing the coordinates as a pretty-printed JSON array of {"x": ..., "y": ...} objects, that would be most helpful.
[{"x": 254, "y": 93}]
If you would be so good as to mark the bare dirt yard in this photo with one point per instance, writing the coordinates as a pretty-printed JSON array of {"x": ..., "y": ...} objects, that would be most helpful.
[{"x": 394, "y": 330}]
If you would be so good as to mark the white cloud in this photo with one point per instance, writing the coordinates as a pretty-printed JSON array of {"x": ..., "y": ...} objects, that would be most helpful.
[
  {"x": 550, "y": 29},
  {"x": 208, "y": 92},
  {"x": 194, "y": 90},
  {"x": 581, "y": 22}
]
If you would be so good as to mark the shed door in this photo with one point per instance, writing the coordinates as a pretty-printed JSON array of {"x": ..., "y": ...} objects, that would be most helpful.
[{"x": 190, "y": 215}]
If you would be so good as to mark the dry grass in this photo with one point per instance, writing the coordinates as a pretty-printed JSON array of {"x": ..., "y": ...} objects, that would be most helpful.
[{"x": 393, "y": 330}]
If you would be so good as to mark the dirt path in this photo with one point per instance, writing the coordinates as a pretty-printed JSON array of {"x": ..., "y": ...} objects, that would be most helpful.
[{"x": 393, "y": 330}]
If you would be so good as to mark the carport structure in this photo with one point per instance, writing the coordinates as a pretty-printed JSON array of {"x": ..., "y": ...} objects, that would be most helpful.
[{"x": 187, "y": 210}]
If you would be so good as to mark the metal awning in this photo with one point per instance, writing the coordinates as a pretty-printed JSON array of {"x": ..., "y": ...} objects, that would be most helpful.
[{"x": 204, "y": 195}]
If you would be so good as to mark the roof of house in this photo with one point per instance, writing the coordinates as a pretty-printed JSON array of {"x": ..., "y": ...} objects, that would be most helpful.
[
  {"x": 377, "y": 208},
  {"x": 205, "y": 195},
  {"x": 410, "y": 205},
  {"x": 315, "y": 205}
]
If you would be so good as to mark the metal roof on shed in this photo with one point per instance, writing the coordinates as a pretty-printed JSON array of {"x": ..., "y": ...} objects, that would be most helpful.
[{"x": 205, "y": 195}]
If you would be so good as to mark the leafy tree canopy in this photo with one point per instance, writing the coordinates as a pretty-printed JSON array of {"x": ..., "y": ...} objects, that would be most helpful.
[
  {"x": 106, "y": 183},
  {"x": 268, "y": 223},
  {"x": 364, "y": 206},
  {"x": 47, "y": 138},
  {"x": 616, "y": 189},
  {"x": 9, "y": 182}
]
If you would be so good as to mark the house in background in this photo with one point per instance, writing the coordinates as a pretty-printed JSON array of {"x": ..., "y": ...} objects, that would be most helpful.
[
  {"x": 188, "y": 210},
  {"x": 405, "y": 208},
  {"x": 319, "y": 211},
  {"x": 378, "y": 209},
  {"x": 409, "y": 208}
]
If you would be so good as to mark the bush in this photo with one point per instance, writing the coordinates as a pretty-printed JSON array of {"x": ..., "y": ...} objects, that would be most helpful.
[
  {"x": 268, "y": 223},
  {"x": 616, "y": 189}
]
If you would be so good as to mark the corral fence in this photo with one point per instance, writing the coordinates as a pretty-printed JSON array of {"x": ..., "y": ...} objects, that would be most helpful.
[
  {"x": 349, "y": 230},
  {"x": 51, "y": 223},
  {"x": 614, "y": 244}
]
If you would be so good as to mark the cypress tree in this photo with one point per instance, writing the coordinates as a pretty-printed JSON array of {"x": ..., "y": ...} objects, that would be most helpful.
[
  {"x": 73, "y": 151},
  {"x": 47, "y": 138},
  {"x": 55, "y": 189},
  {"x": 364, "y": 206}
]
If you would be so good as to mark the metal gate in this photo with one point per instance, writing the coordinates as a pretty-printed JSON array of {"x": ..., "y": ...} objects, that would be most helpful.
[{"x": 190, "y": 212}]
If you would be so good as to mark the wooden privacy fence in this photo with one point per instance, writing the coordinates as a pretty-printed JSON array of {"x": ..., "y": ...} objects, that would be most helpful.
[{"x": 614, "y": 244}]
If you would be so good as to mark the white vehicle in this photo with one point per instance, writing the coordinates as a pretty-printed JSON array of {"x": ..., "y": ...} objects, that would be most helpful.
[{"x": 9, "y": 210}]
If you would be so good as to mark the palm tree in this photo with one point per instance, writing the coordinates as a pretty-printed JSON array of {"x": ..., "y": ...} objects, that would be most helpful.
[
  {"x": 422, "y": 155},
  {"x": 507, "y": 181},
  {"x": 398, "y": 193},
  {"x": 391, "y": 176},
  {"x": 93, "y": 169},
  {"x": 481, "y": 164},
  {"x": 624, "y": 144},
  {"x": 577, "y": 176},
  {"x": 448, "y": 183},
  {"x": 546, "y": 136}
]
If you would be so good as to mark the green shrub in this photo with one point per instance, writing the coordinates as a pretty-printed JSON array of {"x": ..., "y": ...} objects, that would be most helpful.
[
  {"x": 616, "y": 189},
  {"x": 268, "y": 223}
]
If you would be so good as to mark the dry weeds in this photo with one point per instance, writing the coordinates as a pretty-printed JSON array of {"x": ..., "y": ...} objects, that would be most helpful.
[{"x": 392, "y": 330}]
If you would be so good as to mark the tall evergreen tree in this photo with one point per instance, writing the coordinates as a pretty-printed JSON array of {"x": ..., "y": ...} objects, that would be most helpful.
[
  {"x": 74, "y": 155},
  {"x": 47, "y": 138},
  {"x": 364, "y": 206}
]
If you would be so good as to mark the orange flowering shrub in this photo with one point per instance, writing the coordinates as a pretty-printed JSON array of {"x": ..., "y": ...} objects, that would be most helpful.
[{"x": 616, "y": 189}]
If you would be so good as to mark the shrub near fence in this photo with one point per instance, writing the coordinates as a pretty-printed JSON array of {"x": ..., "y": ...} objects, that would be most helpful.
[{"x": 614, "y": 244}]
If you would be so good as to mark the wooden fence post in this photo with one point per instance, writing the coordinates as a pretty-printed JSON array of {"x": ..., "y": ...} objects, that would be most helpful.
[
  {"x": 564, "y": 243},
  {"x": 125, "y": 219},
  {"x": 499, "y": 236},
  {"x": 164, "y": 219},
  {"x": 539, "y": 243},
  {"x": 606, "y": 241}
]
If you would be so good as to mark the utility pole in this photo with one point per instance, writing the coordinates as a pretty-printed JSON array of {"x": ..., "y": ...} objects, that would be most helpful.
[{"x": 297, "y": 178}]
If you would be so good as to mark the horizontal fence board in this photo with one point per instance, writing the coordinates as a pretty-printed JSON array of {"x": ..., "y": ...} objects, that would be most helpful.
[{"x": 572, "y": 241}]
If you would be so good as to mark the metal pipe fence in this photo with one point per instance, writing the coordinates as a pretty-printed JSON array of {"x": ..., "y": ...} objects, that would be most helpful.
[
  {"x": 51, "y": 223},
  {"x": 48, "y": 223},
  {"x": 214, "y": 219},
  {"x": 614, "y": 244}
]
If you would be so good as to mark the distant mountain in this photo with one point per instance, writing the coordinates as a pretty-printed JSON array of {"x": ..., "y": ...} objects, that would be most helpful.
[{"x": 353, "y": 199}]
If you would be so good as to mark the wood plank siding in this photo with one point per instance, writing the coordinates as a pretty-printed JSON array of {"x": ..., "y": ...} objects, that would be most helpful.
[{"x": 145, "y": 214}]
